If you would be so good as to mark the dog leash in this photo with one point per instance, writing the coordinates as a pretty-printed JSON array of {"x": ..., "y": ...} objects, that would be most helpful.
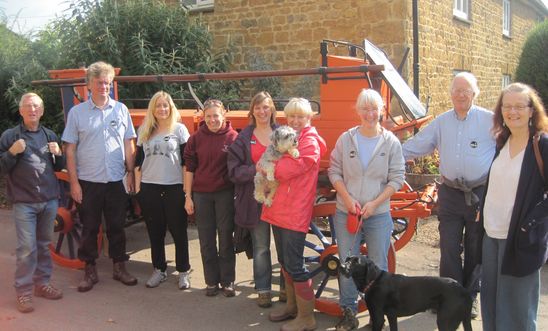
[{"x": 360, "y": 221}]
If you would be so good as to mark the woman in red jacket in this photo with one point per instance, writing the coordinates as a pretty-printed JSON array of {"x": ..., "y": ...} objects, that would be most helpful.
[
  {"x": 291, "y": 212},
  {"x": 210, "y": 195}
]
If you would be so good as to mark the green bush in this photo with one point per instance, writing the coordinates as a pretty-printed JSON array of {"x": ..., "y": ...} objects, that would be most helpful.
[{"x": 533, "y": 63}]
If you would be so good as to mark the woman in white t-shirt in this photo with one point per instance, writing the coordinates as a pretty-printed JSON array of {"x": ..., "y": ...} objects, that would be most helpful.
[
  {"x": 159, "y": 186},
  {"x": 515, "y": 213}
]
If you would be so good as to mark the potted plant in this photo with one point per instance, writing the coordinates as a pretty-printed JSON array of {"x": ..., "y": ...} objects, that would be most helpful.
[{"x": 424, "y": 170}]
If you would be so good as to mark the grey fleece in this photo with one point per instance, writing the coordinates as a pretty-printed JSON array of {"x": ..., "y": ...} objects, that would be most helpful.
[{"x": 387, "y": 167}]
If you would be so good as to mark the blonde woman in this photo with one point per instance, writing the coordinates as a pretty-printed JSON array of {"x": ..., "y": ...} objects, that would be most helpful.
[
  {"x": 290, "y": 215},
  {"x": 159, "y": 185}
]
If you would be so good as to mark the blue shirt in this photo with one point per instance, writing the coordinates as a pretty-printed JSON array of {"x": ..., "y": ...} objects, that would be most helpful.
[
  {"x": 99, "y": 136},
  {"x": 366, "y": 147},
  {"x": 466, "y": 147}
]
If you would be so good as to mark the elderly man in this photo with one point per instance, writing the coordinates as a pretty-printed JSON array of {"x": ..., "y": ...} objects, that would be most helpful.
[
  {"x": 30, "y": 155},
  {"x": 462, "y": 136},
  {"x": 100, "y": 150}
]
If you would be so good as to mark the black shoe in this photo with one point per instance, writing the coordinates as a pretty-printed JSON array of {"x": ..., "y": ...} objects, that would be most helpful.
[
  {"x": 228, "y": 290},
  {"x": 212, "y": 290}
]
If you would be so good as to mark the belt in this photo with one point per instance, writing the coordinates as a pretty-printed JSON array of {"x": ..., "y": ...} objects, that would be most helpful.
[{"x": 470, "y": 198}]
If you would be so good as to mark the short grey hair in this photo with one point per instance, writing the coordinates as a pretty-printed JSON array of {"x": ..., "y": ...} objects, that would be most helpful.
[
  {"x": 369, "y": 97},
  {"x": 470, "y": 79},
  {"x": 30, "y": 95}
]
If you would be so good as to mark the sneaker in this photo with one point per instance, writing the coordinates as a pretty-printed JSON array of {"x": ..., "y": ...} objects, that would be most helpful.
[
  {"x": 156, "y": 278},
  {"x": 24, "y": 303},
  {"x": 184, "y": 280},
  {"x": 348, "y": 321},
  {"x": 228, "y": 290},
  {"x": 212, "y": 290},
  {"x": 475, "y": 309},
  {"x": 264, "y": 300},
  {"x": 47, "y": 291}
]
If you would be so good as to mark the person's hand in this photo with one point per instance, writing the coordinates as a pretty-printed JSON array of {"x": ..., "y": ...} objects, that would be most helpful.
[
  {"x": 76, "y": 192},
  {"x": 54, "y": 148},
  {"x": 369, "y": 209},
  {"x": 130, "y": 182},
  {"x": 189, "y": 205},
  {"x": 18, "y": 147},
  {"x": 352, "y": 206}
]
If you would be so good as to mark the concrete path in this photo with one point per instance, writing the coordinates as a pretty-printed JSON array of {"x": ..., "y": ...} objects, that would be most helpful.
[{"x": 112, "y": 306}]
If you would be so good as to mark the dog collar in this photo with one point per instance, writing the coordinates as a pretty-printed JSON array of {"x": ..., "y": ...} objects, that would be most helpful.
[{"x": 368, "y": 286}]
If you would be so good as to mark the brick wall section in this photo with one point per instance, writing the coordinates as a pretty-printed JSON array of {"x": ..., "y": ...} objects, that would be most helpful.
[
  {"x": 448, "y": 44},
  {"x": 286, "y": 35}
]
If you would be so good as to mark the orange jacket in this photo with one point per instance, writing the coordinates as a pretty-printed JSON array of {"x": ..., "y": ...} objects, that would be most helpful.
[{"x": 294, "y": 199}]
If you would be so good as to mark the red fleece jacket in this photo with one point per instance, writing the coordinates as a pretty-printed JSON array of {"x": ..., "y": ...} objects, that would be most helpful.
[{"x": 206, "y": 156}]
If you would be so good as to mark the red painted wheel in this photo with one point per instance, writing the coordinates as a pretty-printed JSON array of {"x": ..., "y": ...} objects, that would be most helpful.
[{"x": 67, "y": 226}]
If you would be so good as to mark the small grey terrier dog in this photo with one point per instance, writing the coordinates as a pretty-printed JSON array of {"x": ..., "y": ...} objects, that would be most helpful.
[{"x": 284, "y": 140}]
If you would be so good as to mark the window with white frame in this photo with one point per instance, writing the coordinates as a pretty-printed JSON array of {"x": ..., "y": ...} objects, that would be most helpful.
[
  {"x": 506, "y": 80},
  {"x": 198, "y": 4},
  {"x": 461, "y": 9},
  {"x": 506, "y": 17}
]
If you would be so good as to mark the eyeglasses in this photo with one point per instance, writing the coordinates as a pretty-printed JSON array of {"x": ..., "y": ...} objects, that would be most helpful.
[
  {"x": 368, "y": 110},
  {"x": 507, "y": 108},
  {"x": 31, "y": 105},
  {"x": 213, "y": 102},
  {"x": 462, "y": 91}
]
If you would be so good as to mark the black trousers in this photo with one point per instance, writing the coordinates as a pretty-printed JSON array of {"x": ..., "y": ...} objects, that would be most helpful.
[
  {"x": 215, "y": 216},
  {"x": 98, "y": 200},
  {"x": 163, "y": 207},
  {"x": 455, "y": 217}
]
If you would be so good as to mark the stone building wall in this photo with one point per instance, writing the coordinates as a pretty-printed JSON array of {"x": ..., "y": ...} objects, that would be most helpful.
[{"x": 285, "y": 34}]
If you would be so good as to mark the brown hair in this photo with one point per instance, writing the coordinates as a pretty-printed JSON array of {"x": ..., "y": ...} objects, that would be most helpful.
[
  {"x": 257, "y": 99},
  {"x": 539, "y": 120}
]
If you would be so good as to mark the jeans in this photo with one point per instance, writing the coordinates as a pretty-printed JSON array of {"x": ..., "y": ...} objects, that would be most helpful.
[
  {"x": 290, "y": 249},
  {"x": 34, "y": 228},
  {"x": 507, "y": 302},
  {"x": 376, "y": 231},
  {"x": 163, "y": 209},
  {"x": 262, "y": 262},
  {"x": 454, "y": 217},
  {"x": 215, "y": 218}
]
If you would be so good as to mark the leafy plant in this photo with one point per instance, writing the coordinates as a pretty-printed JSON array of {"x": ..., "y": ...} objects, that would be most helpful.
[
  {"x": 428, "y": 164},
  {"x": 533, "y": 63}
]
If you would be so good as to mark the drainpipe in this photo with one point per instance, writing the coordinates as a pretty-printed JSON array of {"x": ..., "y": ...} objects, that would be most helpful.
[{"x": 415, "y": 47}]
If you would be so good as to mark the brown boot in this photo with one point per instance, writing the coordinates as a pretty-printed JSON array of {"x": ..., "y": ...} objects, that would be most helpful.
[
  {"x": 90, "y": 278},
  {"x": 120, "y": 273},
  {"x": 305, "y": 320},
  {"x": 289, "y": 310}
]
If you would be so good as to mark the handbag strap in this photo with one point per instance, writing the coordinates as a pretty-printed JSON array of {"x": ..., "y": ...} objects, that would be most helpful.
[{"x": 540, "y": 163}]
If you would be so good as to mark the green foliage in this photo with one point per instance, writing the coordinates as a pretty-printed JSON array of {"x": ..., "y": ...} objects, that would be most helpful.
[
  {"x": 145, "y": 37},
  {"x": 533, "y": 63}
]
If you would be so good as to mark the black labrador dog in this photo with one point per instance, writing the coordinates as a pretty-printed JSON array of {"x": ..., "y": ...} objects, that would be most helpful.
[{"x": 397, "y": 295}]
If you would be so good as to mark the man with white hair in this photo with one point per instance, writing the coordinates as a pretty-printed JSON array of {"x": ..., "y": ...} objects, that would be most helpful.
[
  {"x": 29, "y": 156},
  {"x": 462, "y": 136}
]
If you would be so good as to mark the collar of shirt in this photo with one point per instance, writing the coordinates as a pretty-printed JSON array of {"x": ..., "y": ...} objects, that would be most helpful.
[
  {"x": 471, "y": 112},
  {"x": 110, "y": 103}
]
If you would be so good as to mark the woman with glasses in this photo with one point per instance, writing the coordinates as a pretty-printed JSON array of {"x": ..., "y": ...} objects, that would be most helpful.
[
  {"x": 243, "y": 156},
  {"x": 210, "y": 196},
  {"x": 159, "y": 186},
  {"x": 366, "y": 168},
  {"x": 514, "y": 213}
]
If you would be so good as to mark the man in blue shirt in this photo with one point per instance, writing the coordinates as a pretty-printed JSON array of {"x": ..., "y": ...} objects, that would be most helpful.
[
  {"x": 462, "y": 136},
  {"x": 100, "y": 149},
  {"x": 30, "y": 155}
]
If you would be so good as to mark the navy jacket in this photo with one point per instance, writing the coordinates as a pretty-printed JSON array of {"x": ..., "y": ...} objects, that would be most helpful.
[
  {"x": 526, "y": 245},
  {"x": 241, "y": 171}
]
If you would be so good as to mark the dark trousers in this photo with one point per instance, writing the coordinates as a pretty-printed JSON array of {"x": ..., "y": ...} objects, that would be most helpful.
[
  {"x": 455, "y": 217},
  {"x": 215, "y": 217},
  {"x": 98, "y": 200},
  {"x": 290, "y": 250},
  {"x": 163, "y": 207}
]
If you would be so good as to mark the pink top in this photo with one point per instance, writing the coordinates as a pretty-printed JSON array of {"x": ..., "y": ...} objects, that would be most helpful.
[{"x": 257, "y": 149}]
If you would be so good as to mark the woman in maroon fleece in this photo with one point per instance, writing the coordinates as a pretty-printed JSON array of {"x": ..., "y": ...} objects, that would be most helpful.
[{"x": 210, "y": 195}]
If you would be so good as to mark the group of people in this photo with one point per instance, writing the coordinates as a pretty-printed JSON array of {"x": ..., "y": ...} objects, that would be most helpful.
[{"x": 492, "y": 204}]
